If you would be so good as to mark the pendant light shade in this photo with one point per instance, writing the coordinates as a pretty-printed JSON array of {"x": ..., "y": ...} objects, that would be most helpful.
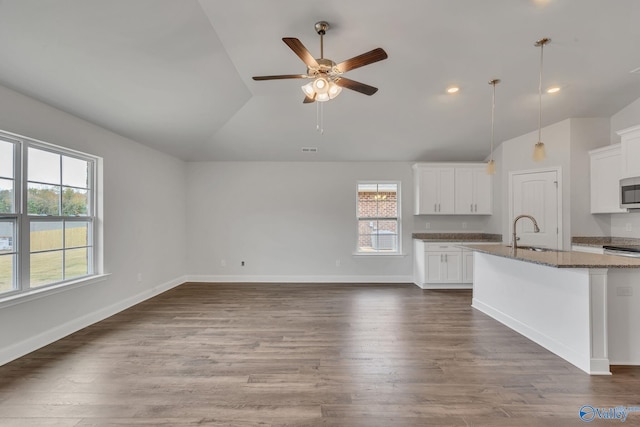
[
  {"x": 491, "y": 164},
  {"x": 538, "y": 151}
]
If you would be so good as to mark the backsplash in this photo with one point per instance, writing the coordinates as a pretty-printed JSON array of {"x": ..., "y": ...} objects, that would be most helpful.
[{"x": 625, "y": 225}]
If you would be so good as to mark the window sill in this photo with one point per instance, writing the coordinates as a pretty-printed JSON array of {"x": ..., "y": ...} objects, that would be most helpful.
[
  {"x": 376, "y": 254},
  {"x": 13, "y": 299}
]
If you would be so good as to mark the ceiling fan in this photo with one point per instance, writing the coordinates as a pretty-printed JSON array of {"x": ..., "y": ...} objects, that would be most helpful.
[{"x": 327, "y": 76}]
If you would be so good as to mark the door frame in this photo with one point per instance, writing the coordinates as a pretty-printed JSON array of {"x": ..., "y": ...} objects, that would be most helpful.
[{"x": 558, "y": 171}]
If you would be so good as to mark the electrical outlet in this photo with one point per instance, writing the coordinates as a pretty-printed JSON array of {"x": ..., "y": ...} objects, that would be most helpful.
[
  {"x": 629, "y": 227},
  {"x": 139, "y": 277},
  {"x": 223, "y": 263},
  {"x": 464, "y": 225},
  {"x": 338, "y": 263},
  {"x": 427, "y": 225}
]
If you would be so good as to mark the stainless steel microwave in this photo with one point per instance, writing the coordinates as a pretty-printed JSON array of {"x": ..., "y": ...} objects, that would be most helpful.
[{"x": 630, "y": 193}]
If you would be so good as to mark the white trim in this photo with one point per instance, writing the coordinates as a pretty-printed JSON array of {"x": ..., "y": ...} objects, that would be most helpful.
[
  {"x": 36, "y": 293},
  {"x": 58, "y": 332},
  {"x": 408, "y": 279},
  {"x": 442, "y": 286}
]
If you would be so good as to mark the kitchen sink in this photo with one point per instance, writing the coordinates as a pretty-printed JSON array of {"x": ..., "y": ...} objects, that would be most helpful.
[{"x": 537, "y": 249}]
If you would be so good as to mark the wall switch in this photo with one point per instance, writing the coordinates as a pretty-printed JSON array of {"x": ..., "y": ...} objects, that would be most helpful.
[
  {"x": 464, "y": 225},
  {"x": 624, "y": 291},
  {"x": 242, "y": 263},
  {"x": 427, "y": 225},
  {"x": 223, "y": 263},
  {"x": 139, "y": 277},
  {"x": 629, "y": 227},
  {"x": 338, "y": 263}
]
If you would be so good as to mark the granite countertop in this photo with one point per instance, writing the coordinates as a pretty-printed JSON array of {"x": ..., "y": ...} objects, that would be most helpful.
[
  {"x": 457, "y": 237},
  {"x": 559, "y": 259},
  {"x": 600, "y": 241}
]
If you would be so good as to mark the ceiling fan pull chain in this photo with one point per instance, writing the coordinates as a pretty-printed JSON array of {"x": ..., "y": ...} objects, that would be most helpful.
[{"x": 319, "y": 118}]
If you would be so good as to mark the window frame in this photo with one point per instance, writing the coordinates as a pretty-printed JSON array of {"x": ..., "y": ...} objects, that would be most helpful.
[
  {"x": 397, "y": 218},
  {"x": 22, "y": 286}
]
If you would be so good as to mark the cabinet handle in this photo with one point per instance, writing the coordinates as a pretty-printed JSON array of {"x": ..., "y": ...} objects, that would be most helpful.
[
  {"x": 441, "y": 258},
  {"x": 439, "y": 208},
  {"x": 471, "y": 207},
  {"x": 435, "y": 207},
  {"x": 476, "y": 205},
  {"x": 446, "y": 258}
]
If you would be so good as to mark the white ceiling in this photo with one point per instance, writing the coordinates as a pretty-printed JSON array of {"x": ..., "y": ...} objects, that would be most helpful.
[{"x": 176, "y": 74}]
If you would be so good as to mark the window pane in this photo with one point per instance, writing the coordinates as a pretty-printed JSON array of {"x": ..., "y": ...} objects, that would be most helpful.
[
  {"x": 44, "y": 166},
  {"x": 7, "y": 272},
  {"x": 7, "y": 203},
  {"x": 389, "y": 226},
  {"x": 76, "y": 234},
  {"x": 76, "y": 263},
  {"x": 46, "y": 267},
  {"x": 367, "y": 208},
  {"x": 75, "y": 172},
  {"x": 7, "y": 236},
  {"x": 74, "y": 201},
  {"x": 6, "y": 159},
  {"x": 46, "y": 236},
  {"x": 43, "y": 199}
]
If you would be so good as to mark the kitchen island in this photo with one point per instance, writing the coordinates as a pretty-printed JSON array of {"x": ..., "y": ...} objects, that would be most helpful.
[{"x": 560, "y": 300}]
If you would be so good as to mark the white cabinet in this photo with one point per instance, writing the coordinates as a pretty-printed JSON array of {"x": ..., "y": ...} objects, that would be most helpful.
[
  {"x": 443, "y": 266},
  {"x": 630, "y": 152},
  {"x": 473, "y": 191},
  {"x": 452, "y": 189},
  {"x": 606, "y": 171},
  {"x": 467, "y": 266},
  {"x": 434, "y": 189}
]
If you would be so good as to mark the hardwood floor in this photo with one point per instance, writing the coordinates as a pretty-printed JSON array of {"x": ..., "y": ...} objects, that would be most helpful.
[{"x": 304, "y": 355}]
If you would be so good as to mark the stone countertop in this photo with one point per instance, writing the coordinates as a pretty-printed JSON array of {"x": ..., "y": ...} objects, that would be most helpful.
[
  {"x": 600, "y": 241},
  {"x": 457, "y": 237},
  {"x": 559, "y": 259}
]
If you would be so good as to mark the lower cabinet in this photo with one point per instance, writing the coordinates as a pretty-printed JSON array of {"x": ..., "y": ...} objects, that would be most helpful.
[{"x": 442, "y": 265}]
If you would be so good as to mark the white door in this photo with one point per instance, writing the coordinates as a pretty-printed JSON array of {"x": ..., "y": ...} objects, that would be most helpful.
[
  {"x": 536, "y": 194},
  {"x": 453, "y": 266},
  {"x": 483, "y": 192},
  {"x": 434, "y": 262},
  {"x": 446, "y": 199}
]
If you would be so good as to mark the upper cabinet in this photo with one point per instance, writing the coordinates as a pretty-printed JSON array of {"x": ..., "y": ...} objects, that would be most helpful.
[
  {"x": 630, "y": 152},
  {"x": 474, "y": 195},
  {"x": 452, "y": 189},
  {"x": 606, "y": 171},
  {"x": 434, "y": 190}
]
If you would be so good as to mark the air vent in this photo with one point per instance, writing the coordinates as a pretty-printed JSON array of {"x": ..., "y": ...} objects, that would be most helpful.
[
  {"x": 635, "y": 70},
  {"x": 309, "y": 149}
]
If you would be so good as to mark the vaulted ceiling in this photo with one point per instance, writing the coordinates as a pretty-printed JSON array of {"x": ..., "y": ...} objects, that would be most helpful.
[{"x": 176, "y": 74}]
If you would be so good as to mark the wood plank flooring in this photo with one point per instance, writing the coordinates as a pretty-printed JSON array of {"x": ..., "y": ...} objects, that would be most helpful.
[{"x": 277, "y": 355}]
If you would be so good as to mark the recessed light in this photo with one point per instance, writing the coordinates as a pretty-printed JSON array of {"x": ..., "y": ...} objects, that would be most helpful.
[
  {"x": 553, "y": 89},
  {"x": 453, "y": 89}
]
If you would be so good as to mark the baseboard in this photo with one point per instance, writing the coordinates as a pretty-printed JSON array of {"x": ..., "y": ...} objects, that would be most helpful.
[
  {"x": 299, "y": 279},
  {"x": 536, "y": 336},
  {"x": 38, "y": 341}
]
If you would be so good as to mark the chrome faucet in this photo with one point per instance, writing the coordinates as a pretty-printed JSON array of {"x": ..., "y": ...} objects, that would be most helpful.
[{"x": 536, "y": 229}]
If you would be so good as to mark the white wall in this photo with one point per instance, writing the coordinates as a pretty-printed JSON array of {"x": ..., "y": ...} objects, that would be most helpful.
[
  {"x": 288, "y": 221},
  {"x": 144, "y": 227},
  {"x": 566, "y": 142}
]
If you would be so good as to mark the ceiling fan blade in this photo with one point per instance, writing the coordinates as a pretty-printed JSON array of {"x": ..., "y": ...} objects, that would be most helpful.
[
  {"x": 281, "y": 77},
  {"x": 367, "y": 58},
  {"x": 357, "y": 86},
  {"x": 309, "y": 99},
  {"x": 299, "y": 49}
]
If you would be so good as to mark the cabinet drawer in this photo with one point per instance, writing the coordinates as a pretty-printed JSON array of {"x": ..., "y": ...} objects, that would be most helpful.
[{"x": 441, "y": 247}]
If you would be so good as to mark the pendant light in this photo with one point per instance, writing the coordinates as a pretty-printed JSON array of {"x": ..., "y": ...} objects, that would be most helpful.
[
  {"x": 491, "y": 165},
  {"x": 538, "y": 150}
]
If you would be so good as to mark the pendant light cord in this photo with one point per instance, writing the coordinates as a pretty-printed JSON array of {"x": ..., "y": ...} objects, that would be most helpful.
[
  {"x": 540, "y": 94},
  {"x": 493, "y": 114}
]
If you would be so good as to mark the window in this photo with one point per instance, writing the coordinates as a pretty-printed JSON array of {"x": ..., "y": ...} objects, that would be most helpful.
[
  {"x": 378, "y": 217},
  {"x": 47, "y": 215}
]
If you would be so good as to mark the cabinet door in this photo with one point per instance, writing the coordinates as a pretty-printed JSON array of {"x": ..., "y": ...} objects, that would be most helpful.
[
  {"x": 464, "y": 202},
  {"x": 467, "y": 266},
  {"x": 606, "y": 171},
  {"x": 453, "y": 266},
  {"x": 426, "y": 191},
  {"x": 434, "y": 262},
  {"x": 446, "y": 187},
  {"x": 482, "y": 192}
]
